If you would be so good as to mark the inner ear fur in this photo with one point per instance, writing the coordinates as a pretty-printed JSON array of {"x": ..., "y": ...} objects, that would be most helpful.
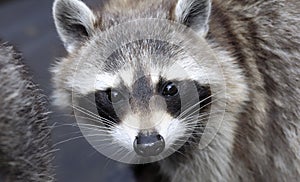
[
  {"x": 74, "y": 22},
  {"x": 194, "y": 14}
]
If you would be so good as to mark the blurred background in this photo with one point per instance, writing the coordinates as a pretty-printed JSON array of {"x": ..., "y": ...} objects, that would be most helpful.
[{"x": 28, "y": 25}]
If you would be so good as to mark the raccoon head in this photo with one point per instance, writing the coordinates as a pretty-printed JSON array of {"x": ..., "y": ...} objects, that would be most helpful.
[{"x": 140, "y": 81}]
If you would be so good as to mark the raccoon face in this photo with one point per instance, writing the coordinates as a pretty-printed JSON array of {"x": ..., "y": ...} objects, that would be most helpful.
[
  {"x": 141, "y": 92},
  {"x": 149, "y": 102},
  {"x": 152, "y": 115}
]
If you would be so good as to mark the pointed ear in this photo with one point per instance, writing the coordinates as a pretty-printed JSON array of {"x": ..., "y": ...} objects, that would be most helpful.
[
  {"x": 74, "y": 22},
  {"x": 194, "y": 14}
]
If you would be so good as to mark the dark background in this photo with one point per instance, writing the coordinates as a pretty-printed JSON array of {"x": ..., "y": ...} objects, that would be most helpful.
[{"x": 28, "y": 25}]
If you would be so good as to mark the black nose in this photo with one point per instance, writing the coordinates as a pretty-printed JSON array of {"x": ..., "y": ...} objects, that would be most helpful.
[{"x": 147, "y": 145}]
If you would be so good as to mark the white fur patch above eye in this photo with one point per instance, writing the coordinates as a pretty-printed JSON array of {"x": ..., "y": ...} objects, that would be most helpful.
[
  {"x": 187, "y": 69},
  {"x": 105, "y": 81},
  {"x": 127, "y": 76},
  {"x": 154, "y": 78}
]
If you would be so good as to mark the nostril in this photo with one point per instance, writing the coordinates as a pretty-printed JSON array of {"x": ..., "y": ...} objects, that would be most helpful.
[{"x": 149, "y": 145}]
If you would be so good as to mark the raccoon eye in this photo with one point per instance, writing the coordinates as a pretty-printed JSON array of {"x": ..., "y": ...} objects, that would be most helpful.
[
  {"x": 170, "y": 89},
  {"x": 114, "y": 96}
]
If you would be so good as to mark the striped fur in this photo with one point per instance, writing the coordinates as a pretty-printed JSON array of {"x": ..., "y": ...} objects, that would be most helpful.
[
  {"x": 258, "y": 42},
  {"x": 25, "y": 148}
]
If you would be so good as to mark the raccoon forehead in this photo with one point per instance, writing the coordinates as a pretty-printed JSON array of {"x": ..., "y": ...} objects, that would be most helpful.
[
  {"x": 180, "y": 70},
  {"x": 152, "y": 59},
  {"x": 126, "y": 78},
  {"x": 141, "y": 53},
  {"x": 92, "y": 77}
]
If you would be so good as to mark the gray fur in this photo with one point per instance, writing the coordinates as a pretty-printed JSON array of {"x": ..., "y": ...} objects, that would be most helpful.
[
  {"x": 258, "y": 42},
  {"x": 75, "y": 22},
  {"x": 194, "y": 14},
  {"x": 25, "y": 149}
]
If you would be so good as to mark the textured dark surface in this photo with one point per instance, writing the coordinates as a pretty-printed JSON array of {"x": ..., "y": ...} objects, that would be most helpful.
[
  {"x": 24, "y": 138},
  {"x": 28, "y": 25}
]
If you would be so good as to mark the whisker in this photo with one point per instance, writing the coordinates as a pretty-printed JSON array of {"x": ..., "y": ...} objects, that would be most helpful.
[
  {"x": 128, "y": 153},
  {"x": 98, "y": 118},
  {"x": 176, "y": 151},
  {"x": 94, "y": 126},
  {"x": 205, "y": 114},
  {"x": 78, "y": 137},
  {"x": 195, "y": 105},
  {"x": 191, "y": 114},
  {"x": 96, "y": 115},
  {"x": 199, "y": 120}
]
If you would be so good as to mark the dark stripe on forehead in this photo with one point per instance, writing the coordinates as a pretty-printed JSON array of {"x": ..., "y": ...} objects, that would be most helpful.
[
  {"x": 161, "y": 53},
  {"x": 142, "y": 91}
]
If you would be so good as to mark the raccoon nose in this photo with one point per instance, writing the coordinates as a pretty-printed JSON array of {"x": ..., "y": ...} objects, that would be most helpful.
[{"x": 149, "y": 145}]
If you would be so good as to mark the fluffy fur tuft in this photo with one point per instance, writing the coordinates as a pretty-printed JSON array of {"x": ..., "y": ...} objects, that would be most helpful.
[{"x": 25, "y": 149}]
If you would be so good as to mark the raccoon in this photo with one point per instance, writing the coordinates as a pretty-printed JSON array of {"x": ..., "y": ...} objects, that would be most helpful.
[
  {"x": 135, "y": 82},
  {"x": 25, "y": 146}
]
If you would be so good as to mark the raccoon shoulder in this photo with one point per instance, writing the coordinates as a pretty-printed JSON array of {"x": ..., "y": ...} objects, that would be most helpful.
[{"x": 25, "y": 150}]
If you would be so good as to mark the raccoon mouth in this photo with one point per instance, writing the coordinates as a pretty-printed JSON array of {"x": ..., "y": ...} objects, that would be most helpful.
[{"x": 149, "y": 145}]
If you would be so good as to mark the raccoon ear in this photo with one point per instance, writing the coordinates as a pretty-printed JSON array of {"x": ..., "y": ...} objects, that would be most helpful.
[
  {"x": 194, "y": 14},
  {"x": 74, "y": 22}
]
